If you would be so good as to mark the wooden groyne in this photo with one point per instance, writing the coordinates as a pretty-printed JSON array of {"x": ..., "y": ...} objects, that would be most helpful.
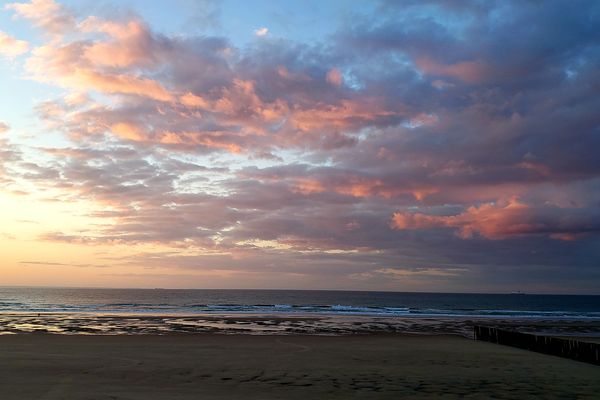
[{"x": 568, "y": 348}]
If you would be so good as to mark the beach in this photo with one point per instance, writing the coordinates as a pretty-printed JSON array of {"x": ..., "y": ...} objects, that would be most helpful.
[
  {"x": 203, "y": 344},
  {"x": 283, "y": 324},
  {"x": 210, "y": 366}
]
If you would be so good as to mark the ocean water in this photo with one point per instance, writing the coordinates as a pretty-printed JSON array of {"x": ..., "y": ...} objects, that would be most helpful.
[{"x": 295, "y": 302}]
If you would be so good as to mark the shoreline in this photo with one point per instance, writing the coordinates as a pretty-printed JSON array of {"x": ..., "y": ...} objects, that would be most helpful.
[{"x": 283, "y": 324}]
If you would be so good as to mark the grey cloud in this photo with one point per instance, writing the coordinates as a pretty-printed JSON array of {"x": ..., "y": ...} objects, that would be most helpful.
[{"x": 430, "y": 118}]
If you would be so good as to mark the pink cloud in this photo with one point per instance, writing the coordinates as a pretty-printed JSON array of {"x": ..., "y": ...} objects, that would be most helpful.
[
  {"x": 64, "y": 65},
  {"x": 128, "y": 131},
  {"x": 191, "y": 100},
  {"x": 334, "y": 77},
  {"x": 118, "y": 83},
  {"x": 497, "y": 220},
  {"x": 11, "y": 47},
  {"x": 377, "y": 187},
  {"x": 46, "y": 14},
  {"x": 536, "y": 167},
  {"x": 348, "y": 114},
  {"x": 129, "y": 43},
  {"x": 492, "y": 221},
  {"x": 319, "y": 181},
  {"x": 467, "y": 71},
  {"x": 212, "y": 140},
  {"x": 161, "y": 132},
  {"x": 121, "y": 58},
  {"x": 292, "y": 76},
  {"x": 242, "y": 113}
]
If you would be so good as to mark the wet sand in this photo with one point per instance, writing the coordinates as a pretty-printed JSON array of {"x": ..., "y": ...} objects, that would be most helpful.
[
  {"x": 205, "y": 366},
  {"x": 281, "y": 324}
]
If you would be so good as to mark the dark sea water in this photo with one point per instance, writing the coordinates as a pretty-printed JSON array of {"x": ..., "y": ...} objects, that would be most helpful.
[{"x": 389, "y": 304}]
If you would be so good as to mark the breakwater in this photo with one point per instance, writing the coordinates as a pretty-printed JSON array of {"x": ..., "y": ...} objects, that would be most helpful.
[{"x": 567, "y": 348}]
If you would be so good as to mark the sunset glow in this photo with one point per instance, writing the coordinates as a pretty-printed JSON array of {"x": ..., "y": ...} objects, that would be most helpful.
[{"x": 405, "y": 146}]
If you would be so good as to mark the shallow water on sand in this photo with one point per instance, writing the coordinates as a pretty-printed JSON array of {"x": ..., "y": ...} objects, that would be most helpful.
[
  {"x": 280, "y": 324},
  {"x": 161, "y": 311}
]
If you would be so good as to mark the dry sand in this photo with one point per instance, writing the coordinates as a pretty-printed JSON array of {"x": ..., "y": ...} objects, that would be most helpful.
[{"x": 42, "y": 366}]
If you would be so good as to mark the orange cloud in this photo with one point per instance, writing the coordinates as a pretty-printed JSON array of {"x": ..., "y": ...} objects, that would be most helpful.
[
  {"x": 128, "y": 131},
  {"x": 119, "y": 83},
  {"x": 191, "y": 100}
]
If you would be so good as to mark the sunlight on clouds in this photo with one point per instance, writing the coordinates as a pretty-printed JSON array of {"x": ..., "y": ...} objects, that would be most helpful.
[
  {"x": 264, "y": 244},
  {"x": 48, "y": 15},
  {"x": 157, "y": 154},
  {"x": 260, "y": 32},
  {"x": 11, "y": 47},
  {"x": 27, "y": 217},
  {"x": 399, "y": 273},
  {"x": 3, "y": 127}
]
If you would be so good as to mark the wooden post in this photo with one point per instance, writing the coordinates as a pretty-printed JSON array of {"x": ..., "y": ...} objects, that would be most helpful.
[{"x": 568, "y": 348}]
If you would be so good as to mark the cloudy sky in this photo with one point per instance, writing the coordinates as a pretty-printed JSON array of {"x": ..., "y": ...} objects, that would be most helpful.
[{"x": 375, "y": 145}]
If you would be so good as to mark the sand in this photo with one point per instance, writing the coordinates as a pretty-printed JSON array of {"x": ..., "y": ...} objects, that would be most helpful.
[
  {"x": 282, "y": 324},
  {"x": 205, "y": 366}
]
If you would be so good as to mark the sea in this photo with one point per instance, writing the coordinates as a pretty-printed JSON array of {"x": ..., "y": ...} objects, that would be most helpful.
[
  {"x": 209, "y": 301},
  {"x": 73, "y": 311}
]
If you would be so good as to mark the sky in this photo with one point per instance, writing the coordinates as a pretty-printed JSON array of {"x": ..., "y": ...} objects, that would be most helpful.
[{"x": 364, "y": 145}]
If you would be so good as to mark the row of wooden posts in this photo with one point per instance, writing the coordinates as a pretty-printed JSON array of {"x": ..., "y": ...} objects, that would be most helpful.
[{"x": 568, "y": 348}]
